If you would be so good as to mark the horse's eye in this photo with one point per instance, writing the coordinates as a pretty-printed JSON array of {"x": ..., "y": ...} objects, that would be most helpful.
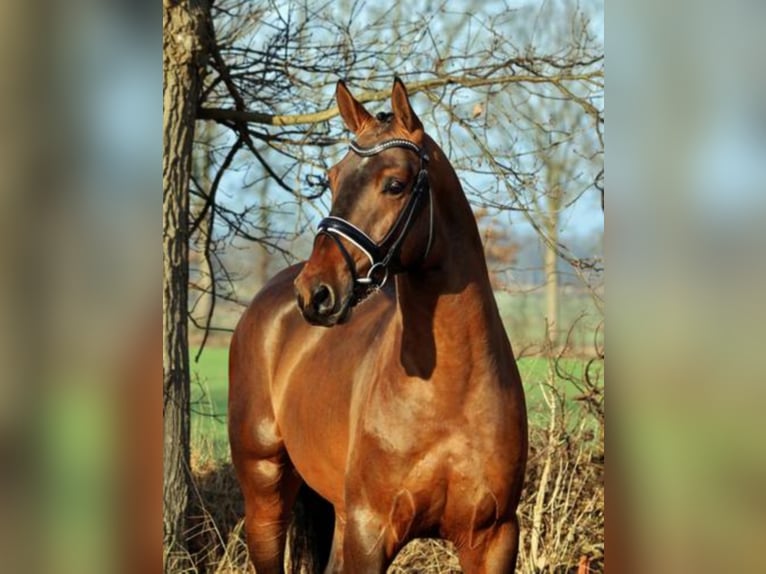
[{"x": 394, "y": 187}]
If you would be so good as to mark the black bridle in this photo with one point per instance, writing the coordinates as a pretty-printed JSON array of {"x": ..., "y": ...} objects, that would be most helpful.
[{"x": 382, "y": 255}]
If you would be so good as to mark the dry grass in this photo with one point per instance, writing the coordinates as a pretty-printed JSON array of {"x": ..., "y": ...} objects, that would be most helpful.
[
  {"x": 562, "y": 508},
  {"x": 432, "y": 556},
  {"x": 216, "y": 537}
]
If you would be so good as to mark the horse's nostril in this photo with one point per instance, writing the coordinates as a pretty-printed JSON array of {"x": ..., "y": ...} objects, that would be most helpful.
[{"x": 323, "y": 299}]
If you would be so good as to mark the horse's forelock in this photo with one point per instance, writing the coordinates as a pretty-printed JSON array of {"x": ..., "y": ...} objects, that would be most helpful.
[{"x": 384, "y": 117}]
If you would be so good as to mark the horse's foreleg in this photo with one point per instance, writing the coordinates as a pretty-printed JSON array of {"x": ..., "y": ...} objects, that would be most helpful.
[
  {"x": 335, "y": 566},
  {"x": 269, "y": 487},
  {"x": 492, "y": 551},
  {"x": 368, "y": 544}
]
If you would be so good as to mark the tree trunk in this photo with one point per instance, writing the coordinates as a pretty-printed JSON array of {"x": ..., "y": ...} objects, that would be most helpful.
[
  {"x": 552, "y": 286},
  {"x": 201, "y": 166},
  {"x": 554, "y": 199},
  {"x": 263, "y": 254},
  {"x": 183, "y": 56}
]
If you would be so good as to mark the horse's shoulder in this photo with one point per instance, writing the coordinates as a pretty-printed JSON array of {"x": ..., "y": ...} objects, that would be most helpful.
[{"x": 271, "y": 301}]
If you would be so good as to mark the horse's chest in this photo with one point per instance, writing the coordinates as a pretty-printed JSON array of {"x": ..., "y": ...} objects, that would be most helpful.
[
  {"x": 416, "y": 415},
  {"x": 440, "y": 452},
  {"x": 431, "y": 480},
  {"x": 423, "y": 438}
]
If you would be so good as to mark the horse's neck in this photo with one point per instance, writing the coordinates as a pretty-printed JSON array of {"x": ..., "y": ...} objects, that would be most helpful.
[
  {"x": 447, "y": 314},
  {"x": 450, "y": 328}
]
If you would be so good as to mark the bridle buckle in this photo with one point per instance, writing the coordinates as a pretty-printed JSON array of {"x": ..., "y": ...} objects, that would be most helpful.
[{"x": 376, "y": 269}]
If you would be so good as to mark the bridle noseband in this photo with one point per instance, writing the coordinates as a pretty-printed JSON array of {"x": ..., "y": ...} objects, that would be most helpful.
[{"x": 382, "y": 255}]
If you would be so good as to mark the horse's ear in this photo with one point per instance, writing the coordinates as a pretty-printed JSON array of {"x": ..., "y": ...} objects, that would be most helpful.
[
  {"x": 353, "y": 113},
  {"x": 400, "y": 104}
]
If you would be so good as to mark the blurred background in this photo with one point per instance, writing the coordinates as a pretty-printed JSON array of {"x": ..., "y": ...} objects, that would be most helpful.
[{"x": 514, "y": 93}]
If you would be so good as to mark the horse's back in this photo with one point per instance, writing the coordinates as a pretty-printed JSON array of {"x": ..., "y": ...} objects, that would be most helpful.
[{"x": 284, "y": 372}]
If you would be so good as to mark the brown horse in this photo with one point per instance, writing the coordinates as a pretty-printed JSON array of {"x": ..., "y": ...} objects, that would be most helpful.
[{"x": 409, "y": 416}]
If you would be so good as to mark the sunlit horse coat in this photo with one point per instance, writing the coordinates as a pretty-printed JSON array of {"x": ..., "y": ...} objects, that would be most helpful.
[{"x": 408, "y": 414}]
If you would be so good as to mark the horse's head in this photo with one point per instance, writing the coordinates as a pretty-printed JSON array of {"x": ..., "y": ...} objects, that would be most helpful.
[{"x": 377, "y": 225}]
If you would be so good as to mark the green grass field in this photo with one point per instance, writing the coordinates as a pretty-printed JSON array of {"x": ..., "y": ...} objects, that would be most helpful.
[
  {"x": 524, "y": 317},
  {"x": 210, "y": 388}
]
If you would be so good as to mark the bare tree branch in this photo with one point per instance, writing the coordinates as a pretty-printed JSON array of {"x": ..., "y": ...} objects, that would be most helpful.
[{"x": 219, "y": 114}]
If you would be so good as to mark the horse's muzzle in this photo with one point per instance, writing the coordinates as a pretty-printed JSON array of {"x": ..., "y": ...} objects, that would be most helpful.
[{"x": 321, "y": 306}]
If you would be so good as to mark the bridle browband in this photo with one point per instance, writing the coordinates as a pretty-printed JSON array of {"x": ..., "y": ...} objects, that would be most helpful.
[{"x": 382, "y": 254}]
